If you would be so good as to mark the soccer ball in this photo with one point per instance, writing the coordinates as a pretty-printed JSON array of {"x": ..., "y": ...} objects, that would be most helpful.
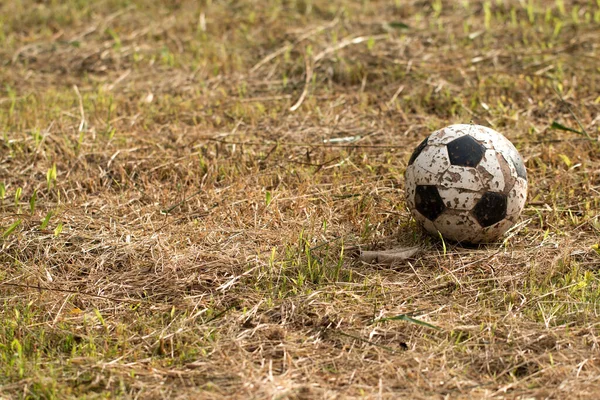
[{"x": 467, "y": 182}]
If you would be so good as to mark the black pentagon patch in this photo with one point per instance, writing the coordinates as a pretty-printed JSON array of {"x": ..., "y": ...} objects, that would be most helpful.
[
  {"x": 465, "y": 151},
  {"x": 519, "y": 165},
  {"x": 490, "y": 209},
  {"x": 429, "y": 202},
  {"x": 417, "y": 151}
]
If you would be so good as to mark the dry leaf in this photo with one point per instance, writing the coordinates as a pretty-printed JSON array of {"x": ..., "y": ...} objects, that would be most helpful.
[{"x": 389, "y": 257}]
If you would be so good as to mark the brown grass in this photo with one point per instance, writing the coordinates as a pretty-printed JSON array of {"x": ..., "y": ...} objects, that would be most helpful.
[{"x": 204, "y": 226}]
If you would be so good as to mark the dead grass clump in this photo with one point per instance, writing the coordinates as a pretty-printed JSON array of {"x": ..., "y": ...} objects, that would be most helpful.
[{"x": 185, "y": 189}]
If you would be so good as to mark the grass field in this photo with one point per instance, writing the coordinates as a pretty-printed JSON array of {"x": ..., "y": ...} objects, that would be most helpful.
[{"x": 186, "y": 186}]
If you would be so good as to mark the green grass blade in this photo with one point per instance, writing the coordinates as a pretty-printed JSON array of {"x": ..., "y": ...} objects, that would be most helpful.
[
  {"x": 32, "y": 201},
  {"x": 561, "y": 127},
  {"x": 404, "y": 317},
  {"x": 398, "y": 25},
  {"x": 11, "y": 228},
  {"x": 46, "y": 220}
]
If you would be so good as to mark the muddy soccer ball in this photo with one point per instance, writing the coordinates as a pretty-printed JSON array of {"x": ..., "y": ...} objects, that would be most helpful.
[{"x": 467, "y": 182}]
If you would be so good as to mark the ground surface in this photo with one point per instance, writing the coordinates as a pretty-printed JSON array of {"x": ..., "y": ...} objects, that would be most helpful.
[{"x": 186, "y": 186}]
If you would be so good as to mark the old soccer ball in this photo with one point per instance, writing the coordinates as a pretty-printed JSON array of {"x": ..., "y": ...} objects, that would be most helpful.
[{"x": 467, "y": 182}]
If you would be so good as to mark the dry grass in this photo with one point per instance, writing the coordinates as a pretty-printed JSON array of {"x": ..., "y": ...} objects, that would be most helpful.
[{"x": 202, "y": 238}]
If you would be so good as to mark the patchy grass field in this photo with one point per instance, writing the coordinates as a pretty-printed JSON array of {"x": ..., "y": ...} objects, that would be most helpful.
[{"x": 185, "y": 188}]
